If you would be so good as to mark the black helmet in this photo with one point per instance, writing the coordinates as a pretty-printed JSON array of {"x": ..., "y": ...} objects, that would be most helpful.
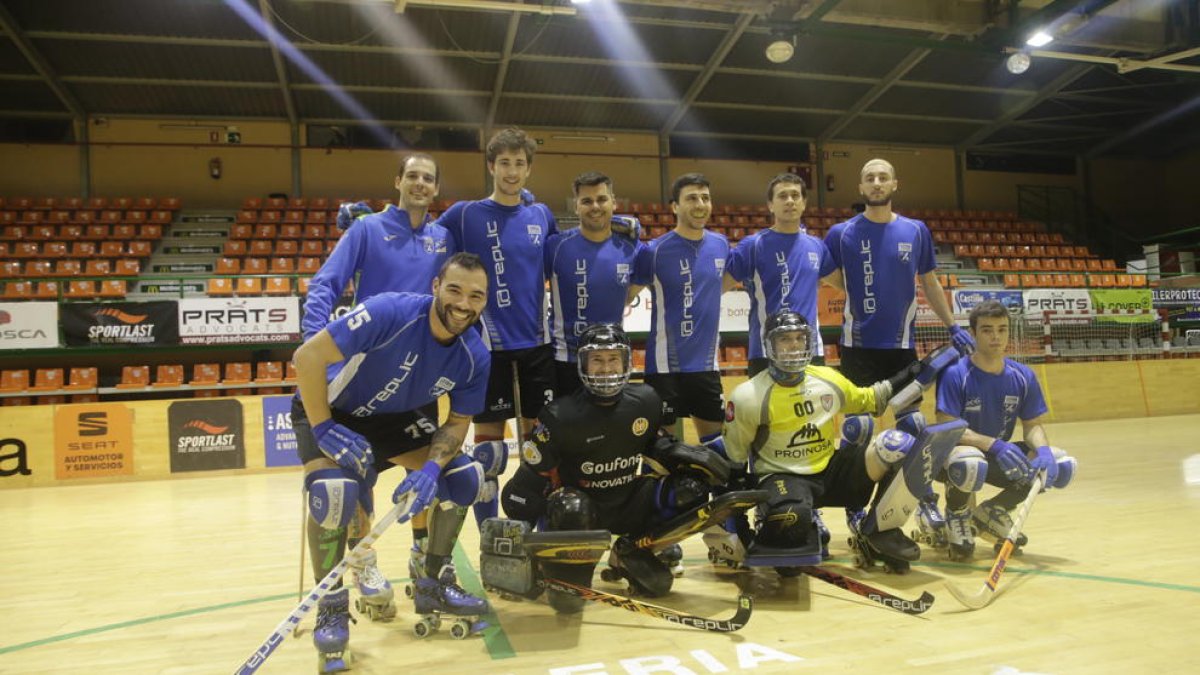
[
  {"x": 601, "y": 337},
  {"x": 787, "y": 361}
]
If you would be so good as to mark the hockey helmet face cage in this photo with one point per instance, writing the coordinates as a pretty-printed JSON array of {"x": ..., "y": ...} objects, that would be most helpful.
[
  {"x": 788, "y": 343},
  {"x": 604, "y": 360}
]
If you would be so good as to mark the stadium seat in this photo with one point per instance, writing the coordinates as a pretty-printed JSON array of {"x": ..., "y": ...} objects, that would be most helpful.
[
  {"x": 14, "y": 380},
  {"x": 219, "y": 288},
  {"x": 228, "y": 266},
  {"x": 46, "y": 290},
  {"x": 278, "y": 286},
  {"x": 282, "y": 265},
  {"x": 113, "y": 289},
  {"x": 237, "y": 373},
  {"x": 127, "y": 267},
  {"x": 248, "y": 286},
  {"x": 205, "y": 374},
  {"x": 83, "y": 378},
  {"x": 99, "y": 267},
  {"x": 268, "y": 371},
  {"x": 81, "y": 289},
  {"x": 134, "y": 377},
  {"x": 289, "y": 372},
  {"x": 168, "y": 375}
]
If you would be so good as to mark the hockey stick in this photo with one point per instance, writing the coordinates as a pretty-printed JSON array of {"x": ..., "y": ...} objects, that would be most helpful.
[
  {"x": 520, "y": 430},
  {"x": 303, "y": 553},
  {"x": 733, "y": 623},
  {"x": 910, "y": 607},
  {"x": 322, "y": 588},
  {"x": 980, "y": 599}
]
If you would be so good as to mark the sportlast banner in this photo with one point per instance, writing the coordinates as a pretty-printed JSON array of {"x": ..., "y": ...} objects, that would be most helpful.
[
  {"x": 119, "y": 323},
  {"x": 206, "y": 434}
]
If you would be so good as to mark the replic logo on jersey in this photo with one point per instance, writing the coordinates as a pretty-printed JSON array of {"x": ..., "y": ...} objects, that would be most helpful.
[
  {"x": 535, "y": 234},
  {"x": 93, "y": 423},
  {"x": 640, "y": 425},
  {"x": 905, "y": 249},
  {"x": 443, "y": 385}
]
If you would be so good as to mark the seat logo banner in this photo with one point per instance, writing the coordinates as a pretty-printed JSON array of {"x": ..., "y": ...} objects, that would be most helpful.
[
  {"x": 28, "y": 325},
  {"x": 206, "y": 435},
  {"x": 93, "y": 439},
  {"x": 209, "y": 321},
  {"x": 120, "y": 323}
]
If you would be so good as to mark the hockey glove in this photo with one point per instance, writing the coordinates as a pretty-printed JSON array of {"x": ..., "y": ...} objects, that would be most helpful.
[
  {"x": 423, "y": 483},
  {"x": 697, "y": 460},
  {"x": 527, "y": 198},
  {"x": 350, "y": 450},
  {"x": 1045, "y": 461},
  {"x": 1010, "y": 459},
  {"x": 627, "y": 226},
  {"x": 349, "y": 212},
  {"x": 963, "y": 342}
]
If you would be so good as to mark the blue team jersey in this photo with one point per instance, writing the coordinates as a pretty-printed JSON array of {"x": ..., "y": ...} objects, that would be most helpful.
[
  {"x": 780, "y": 271},
  {"x": 684, "y": 277},
  {"x": 510, "y": 241},
  {"x": 990, "y": 403},
  {"x": 588, "y": 284},
  {"x": 879, "y": 262},
  {"x": 393, "y": 363},
  {"x": 387, "y": 253}
]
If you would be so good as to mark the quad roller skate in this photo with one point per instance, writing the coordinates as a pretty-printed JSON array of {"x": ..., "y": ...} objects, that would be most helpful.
[
  {"x": 993, "y": 522},
  {"x": 961, "y": 545},
  {"x": 375, "y": 595},
  {"x": 888, "y": 547},
  {"x": 442, "y": 597},
  {"x": 823, "y": 532},
  {"x": 332, "y": 633},
  {"x": 725, "y": 549},
  {"x": 931, "y": 525}
]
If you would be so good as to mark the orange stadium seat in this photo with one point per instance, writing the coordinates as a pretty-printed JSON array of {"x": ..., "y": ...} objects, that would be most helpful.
[
  {"x": 68, "y": 268},
  {"x": 134, "y": 377},
  {"x": 237, "y": 373},
  {"x": 248, "y": 286},
  {"x": 113, "y": 289},
  {"x": 278, "y": 286},
  {"x": 99, "y": 267},
  {"x": 254, "y": 266},
  {"x": 81, "y": 289},
  {"x": 205, "y": 374},
  {"x": 168, "y": 375},
  {"x": 127, "y": 267},
  {"x": 282, "y": 266},
  {"x": 83, "y": 378},
  {"x": 46, "y": 290},
  {"x": 14, "y": 380},
  {"x": 289, "y": 372},
  {"x": 219, "y": 287},
  {"x": 228, "y": 266},
  {"x": 140, "y": 249},
  {"x": 268, "y": 371}
]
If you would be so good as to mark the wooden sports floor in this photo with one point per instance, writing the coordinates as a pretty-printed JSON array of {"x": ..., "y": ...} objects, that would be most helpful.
[{"x": 190, "y": 575}]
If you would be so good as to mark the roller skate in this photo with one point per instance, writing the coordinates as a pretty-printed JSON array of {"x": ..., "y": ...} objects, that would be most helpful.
[
  {"x": 434, "y": 598},
  {"x": 823, "y": 532},
  {"x": 993, "y": 523},
  {"x": 332, "y": 633},
  {"x": 725, "y": 549},
  {"x": 672, "y": 556},
  {"x": 889, "y": 547},
  {"x": 375, "y": 595},
  {"x": 961, "y": 545},
  {"x": 931, "y": 526}
]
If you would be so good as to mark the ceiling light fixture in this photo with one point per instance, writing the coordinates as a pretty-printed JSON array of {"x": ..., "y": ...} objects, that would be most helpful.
[
  {"x": 1018, "y": 63},
  {"x": 781, "y": 49},
  {"x": 1039, "y": 39}
]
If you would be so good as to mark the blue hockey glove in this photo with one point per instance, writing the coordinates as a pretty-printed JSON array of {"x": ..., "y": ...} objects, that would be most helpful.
[
  {"x": 348, "y": 213},
  {"x": 1010, "y": 459},
  {"x": 350, "y": 450},
  {"x": 627, "y": 226},
  {"x": 527, "y": 197},
  {"x": 963, "y": 342},
  {"x": 1045, "y": 461},
  {"x": 423, "y": 484}
]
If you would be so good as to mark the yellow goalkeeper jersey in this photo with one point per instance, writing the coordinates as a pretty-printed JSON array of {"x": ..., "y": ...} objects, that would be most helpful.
[{"x": 791, "y": 429}]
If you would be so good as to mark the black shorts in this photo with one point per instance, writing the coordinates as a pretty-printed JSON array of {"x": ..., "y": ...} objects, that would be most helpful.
[
  {"x": 390, "y": 435},
  {"x": 697, "y": 395},
  {"x": 865, "y": 367},
  {"x": 757, "y": 365},
  {"x": 844, "y": 482},
  {"x": 566, "y": 379},
  {"x": 535, "y": 368}
]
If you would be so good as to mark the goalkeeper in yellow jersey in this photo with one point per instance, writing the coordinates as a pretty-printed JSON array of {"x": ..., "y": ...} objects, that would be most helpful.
[{"x": 781, "y": 423}]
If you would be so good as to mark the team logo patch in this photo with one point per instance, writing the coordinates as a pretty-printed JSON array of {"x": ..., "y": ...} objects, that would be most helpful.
[
  {"x": 1010, "y": 404},
  {"x": 623, "y": 274},
  {"x": 535, "y": 234},
  {"x": 729, "y": 414},
  {"x": 720, "y": 265},
  {"x": 640, "y": 425},
  {"x": 530, "y": 453},
  {"x": 541, "y": 434},
  {"x": 827, "y": 402},
  {"x": 905, "y": 250},
  {"x": 443, "y": 385},
  {"x": 814, "y": 260},
  {"x": 974, "y": 404}
]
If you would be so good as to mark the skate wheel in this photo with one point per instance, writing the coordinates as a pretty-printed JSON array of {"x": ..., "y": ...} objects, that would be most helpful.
[
  {"x": 424, "y": 628},
  {"x": 788, "y": 572},
  {"x": 610, "y": 574},
  {"x": 460, "y": 629},
  {"x": 409, "y": 591},
  {"x": 436, "y": 622}
]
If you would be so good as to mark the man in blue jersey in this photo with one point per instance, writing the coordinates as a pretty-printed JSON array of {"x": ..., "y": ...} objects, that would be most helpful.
[
  {"x": 398, "y": 249},
  {"x": 509, "y": 235},
  {"x": 782, "y": 267},
  {"x": 392, "y": 357},
  {"x": 589, "y": 270},
  {"x": 991, "y": 392},
  {"x": 685, "y": 270}
]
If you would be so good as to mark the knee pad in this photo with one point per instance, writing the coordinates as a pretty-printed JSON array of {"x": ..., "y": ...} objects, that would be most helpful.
[
  {"x": 1066, "y": 468},
  {"x": 675, "y": 494},
  {"x": 966, "y": 468},
  {"x": 787, "y": 525},
  {"x": 570, "y": 509},
  {"x": 332, "y": 498},
  {"x": 461, "y": 481},
  {"x": 492, "y": 456},
  {"x": 892, "y": 446},
  {"x": 911, "y": 421},
  {"x": 857, "y": 430},
  {"x": 716, "y": 443}
]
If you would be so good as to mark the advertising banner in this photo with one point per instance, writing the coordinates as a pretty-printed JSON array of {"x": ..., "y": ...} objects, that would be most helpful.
[
  {"x": 1182, "y": 304},
  {"x": 208, "y": 321},
  {"x": 1122, "y": 299},
  {"x": 206, "y": 435},
  {"x": 735, "y": 313},
  {"x": 120, "y": 323},
  {"x": 1041, "y": 300},
  {"x": 278, "y": 436},
  {"x": 93, "y": 439},
  {"x": 966, "y": 300},
  {"x": 831, "y": 306},
  {"x": 28, "y": 325}
]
